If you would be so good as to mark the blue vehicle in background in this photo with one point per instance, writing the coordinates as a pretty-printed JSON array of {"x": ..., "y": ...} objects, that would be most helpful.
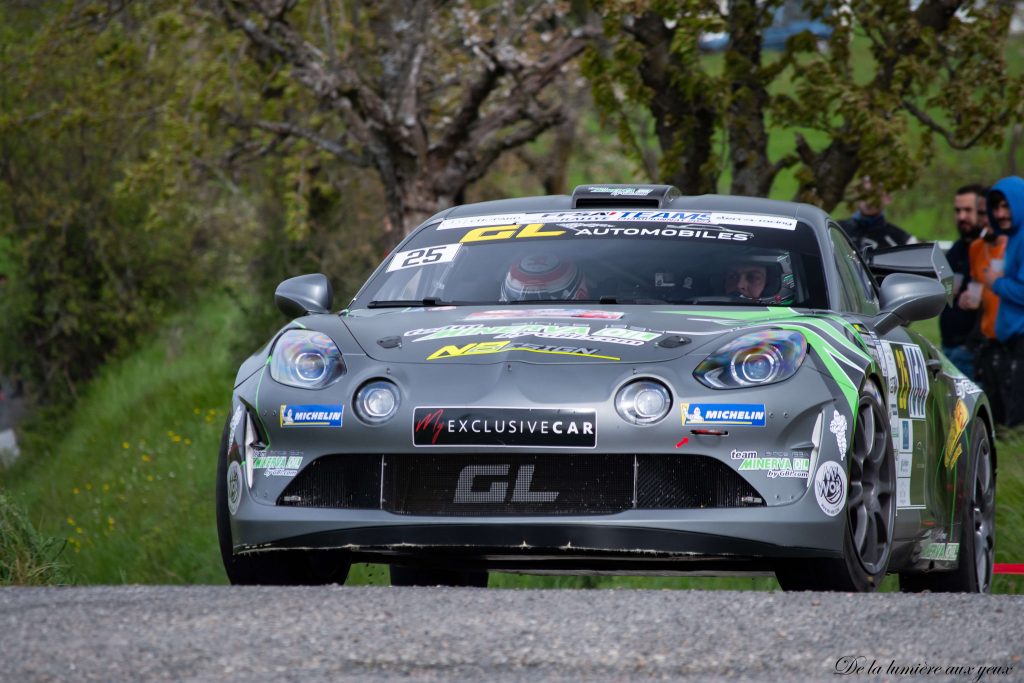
[{"x": 790, "y": 19}]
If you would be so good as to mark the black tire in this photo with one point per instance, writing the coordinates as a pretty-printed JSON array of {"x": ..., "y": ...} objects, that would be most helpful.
[
  {"x": 870, "y": 511},
  {"x": 977, "y": 530},
  {"x": 271, "y": 568},
  {"x": 418, "y": 576}
]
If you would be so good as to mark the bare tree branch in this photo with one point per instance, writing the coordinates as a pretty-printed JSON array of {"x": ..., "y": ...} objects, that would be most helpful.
[
  {"x": 329, "y": 146},
  {"x": 950, "y": 138}
]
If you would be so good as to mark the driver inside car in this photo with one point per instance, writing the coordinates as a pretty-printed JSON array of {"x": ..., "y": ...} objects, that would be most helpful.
[
  {"x": 544, "y": 277},
  {"x": 765, "y": 279}
]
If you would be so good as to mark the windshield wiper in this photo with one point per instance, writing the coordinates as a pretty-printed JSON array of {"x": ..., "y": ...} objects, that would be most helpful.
[{"x": 407, "y": 303}]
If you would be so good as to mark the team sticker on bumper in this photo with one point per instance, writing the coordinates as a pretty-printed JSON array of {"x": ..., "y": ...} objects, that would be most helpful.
[{"x": 745, "y": 414}]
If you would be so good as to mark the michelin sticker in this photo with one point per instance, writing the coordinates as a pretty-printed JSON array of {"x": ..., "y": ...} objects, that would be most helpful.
[
  {"x": 838, "y": 427},
  {"x": 413, "y": 258},
  {"x": 234, "y": 486},
  {"x": 312, "y": 415},
  {"x": 830, "y": 487},
  {"x": 746, "y": 414}
]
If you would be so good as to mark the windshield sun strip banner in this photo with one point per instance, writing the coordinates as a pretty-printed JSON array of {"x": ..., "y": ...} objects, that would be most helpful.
[{"x": 625, "y": 216}]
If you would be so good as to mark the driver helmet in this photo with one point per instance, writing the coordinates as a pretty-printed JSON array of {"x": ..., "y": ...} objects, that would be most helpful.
[
  {"x": 780, "y": 282},
  {"x": 543, "y": 277}
]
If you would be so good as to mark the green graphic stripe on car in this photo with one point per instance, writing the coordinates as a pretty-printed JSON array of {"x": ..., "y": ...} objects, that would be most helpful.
[
  {"x": 828, "y": 354},
  {"x": 831, "y": 331}
]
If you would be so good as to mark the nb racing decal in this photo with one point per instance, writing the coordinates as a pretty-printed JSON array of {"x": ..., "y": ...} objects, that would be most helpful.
[{"x": 485, "y": 348}]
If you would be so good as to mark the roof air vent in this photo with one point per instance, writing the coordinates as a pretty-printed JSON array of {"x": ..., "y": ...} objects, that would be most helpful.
[{"x": 623, "y": 196}]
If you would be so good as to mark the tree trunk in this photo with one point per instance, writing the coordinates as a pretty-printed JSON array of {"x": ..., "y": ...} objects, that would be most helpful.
[
  {"x": 685, "y": 118},
  {"x": 752, "y": 174}
]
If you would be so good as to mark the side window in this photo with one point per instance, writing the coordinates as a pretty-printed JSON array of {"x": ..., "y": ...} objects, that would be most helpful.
[
  {"x": 856, "y": 284},
  {"x": 850, "y": 287}
]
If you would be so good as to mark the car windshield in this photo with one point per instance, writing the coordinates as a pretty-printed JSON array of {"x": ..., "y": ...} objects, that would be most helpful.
[{"x": 620, "y": 257}]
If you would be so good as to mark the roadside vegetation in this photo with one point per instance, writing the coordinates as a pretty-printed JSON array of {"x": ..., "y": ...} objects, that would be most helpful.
[{"x": 27, "y": 558}]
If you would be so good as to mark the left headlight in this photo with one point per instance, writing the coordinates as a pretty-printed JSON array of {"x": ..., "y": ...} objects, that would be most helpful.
[
  {"x": 643, "y": 402},
  {"x": 753, "y": 359},
  {"x": 307, "y": 359}
]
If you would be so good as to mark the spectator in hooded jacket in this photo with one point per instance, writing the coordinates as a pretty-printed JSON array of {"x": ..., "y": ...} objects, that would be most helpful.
[{"x": 1006, "y": 212}]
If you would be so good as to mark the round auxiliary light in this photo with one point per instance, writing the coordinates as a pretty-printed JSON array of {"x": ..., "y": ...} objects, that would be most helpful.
[
  {"x": 377, "y": 402},
  {"x": 310, "y": 366},
  {"x": 643, "y": 402}
]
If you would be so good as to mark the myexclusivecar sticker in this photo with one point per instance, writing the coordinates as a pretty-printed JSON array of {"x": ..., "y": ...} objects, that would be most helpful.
[
  {"x": 311, "y": 415},
  {"x": 476, "y": 426},
  {"x": 484, "y": 348},
  {"x": 545, "y": 313},
  {"x": 830, "y": 488},
  {"x": 443, "y": 253},
  {"x": 746, "y": 414}
]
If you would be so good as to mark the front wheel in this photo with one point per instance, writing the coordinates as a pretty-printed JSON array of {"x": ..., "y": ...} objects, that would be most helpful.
[
  {"x": 870, "y": 511},
  {"x": 271, "y": 568},
  {"x": 977, "y": 530}
]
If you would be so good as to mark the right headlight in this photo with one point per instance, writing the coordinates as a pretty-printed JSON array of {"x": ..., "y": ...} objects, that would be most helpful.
[
  {"x": 753, "y": 359},
  {"x": 306, "y": 359}
]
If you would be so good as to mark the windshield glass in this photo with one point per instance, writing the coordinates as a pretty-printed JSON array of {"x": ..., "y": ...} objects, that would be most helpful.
[{"x": 625, "y": 257}]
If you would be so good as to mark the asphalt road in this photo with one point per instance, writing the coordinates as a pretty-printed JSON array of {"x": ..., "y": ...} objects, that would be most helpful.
[{"x": 213, "y": 633}]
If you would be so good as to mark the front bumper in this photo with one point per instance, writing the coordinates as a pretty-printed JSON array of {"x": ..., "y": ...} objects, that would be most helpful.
[{"x": 790, "y": 524}]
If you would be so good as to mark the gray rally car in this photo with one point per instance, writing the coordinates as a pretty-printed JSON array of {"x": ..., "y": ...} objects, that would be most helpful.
[{"x": 622, "y": 380}]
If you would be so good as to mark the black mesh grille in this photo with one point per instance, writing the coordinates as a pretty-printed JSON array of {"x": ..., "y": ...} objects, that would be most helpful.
[
  {"x": 532, "y": 484},
  {"x": 451, "y": 484},
  {"x": 666, "y": 482},
  {"x": 336, "y": 481}
]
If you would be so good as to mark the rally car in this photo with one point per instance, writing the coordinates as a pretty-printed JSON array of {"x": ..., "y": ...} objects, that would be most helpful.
[{"x": 621, "y": 380}]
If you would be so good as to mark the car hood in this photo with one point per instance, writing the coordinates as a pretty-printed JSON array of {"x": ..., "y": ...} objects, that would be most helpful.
[{"x": 548, "y": 335}]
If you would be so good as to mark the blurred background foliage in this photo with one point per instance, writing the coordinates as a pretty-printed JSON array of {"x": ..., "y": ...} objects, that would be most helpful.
[{"x": 164, "y": 164}]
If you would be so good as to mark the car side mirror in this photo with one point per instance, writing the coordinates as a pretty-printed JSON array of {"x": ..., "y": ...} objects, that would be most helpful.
[
  {"x": 305, "y": 294},
  {"x": 905, "y": 298}
]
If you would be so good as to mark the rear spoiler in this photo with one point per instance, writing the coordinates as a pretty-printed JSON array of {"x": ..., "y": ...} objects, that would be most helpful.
[{"x": 924, "y": 258}]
